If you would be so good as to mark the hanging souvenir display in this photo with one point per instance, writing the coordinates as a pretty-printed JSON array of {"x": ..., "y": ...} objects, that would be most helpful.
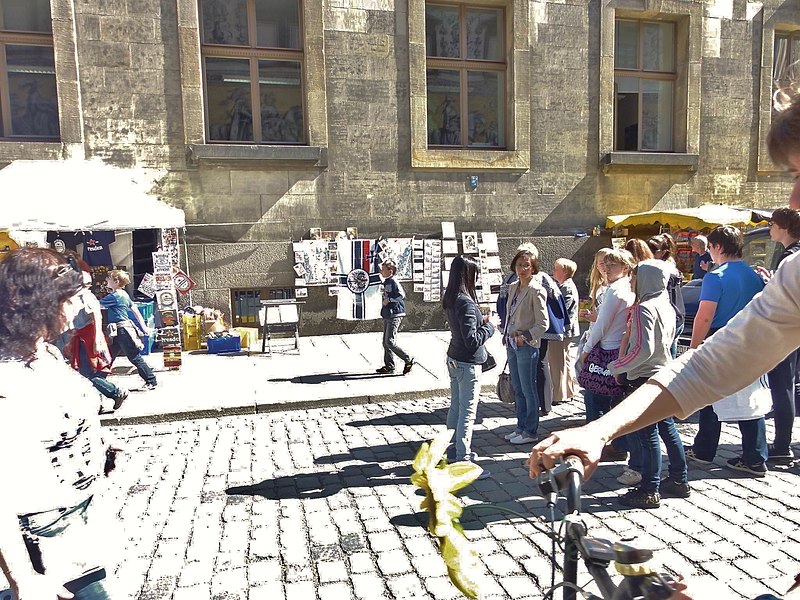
[{"x": 359, "y": 297}]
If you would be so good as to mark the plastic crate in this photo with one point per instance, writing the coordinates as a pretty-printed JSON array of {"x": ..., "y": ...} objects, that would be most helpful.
[{"x": 224, "y": 343}]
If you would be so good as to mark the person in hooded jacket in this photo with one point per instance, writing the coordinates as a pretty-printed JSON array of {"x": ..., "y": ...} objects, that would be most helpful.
[{"x": 652, "y": 328}]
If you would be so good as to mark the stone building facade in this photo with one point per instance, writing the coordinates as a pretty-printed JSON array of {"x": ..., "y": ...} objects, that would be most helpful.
[{"x": 133, "y": 81}]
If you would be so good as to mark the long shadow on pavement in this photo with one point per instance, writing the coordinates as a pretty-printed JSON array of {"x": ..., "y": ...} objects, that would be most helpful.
[
  {"x": 322, "y": 485},
  {"x": 437, "y": 416},
  {"x": 326, "y": 377}
]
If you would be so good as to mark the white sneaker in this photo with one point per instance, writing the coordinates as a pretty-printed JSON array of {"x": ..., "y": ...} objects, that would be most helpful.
[
  {"x": 508, "y": 436},
  {"x": 630, "y": 477},
  {"x": 523, "y": 439}
]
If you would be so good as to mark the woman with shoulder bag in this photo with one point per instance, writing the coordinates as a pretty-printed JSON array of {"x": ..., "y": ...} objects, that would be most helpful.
[
  {"x": 600, "y": 389},
  {"x": 54, "y": 457},
  {"x": 469, "y": 330},
  {"x": 526, "y": 322}
]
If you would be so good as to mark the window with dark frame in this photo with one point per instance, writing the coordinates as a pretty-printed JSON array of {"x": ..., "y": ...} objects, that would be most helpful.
[
  {"x": 785, "y": 68},
  {"x": 247, "y": 302},
  {"x": 253, "y": 61},
  {"x": 644, "y": 85},
  {"x": 28, "y": 96},
  {"x": 466, "y": 73}
]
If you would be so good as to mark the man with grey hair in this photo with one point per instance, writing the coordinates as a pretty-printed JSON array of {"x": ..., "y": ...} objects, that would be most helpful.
[{"x": 702, "y": 259}]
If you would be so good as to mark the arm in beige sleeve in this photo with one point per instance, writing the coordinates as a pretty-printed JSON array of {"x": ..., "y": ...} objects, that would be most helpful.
[
  {"x": 538, "y": 303},
  {"x": 750, "y": 345}
]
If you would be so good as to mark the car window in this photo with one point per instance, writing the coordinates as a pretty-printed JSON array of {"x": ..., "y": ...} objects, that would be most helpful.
[{"x": 759, "y": 250}]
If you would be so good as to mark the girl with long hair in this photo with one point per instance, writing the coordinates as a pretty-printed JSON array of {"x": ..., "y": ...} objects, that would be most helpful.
[{"x": 469, "y": 330}]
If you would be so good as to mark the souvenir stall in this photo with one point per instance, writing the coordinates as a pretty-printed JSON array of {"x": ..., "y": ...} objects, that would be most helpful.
[
  {"x": 89, "y": 205},
  {"x": 683, "y": 224}
]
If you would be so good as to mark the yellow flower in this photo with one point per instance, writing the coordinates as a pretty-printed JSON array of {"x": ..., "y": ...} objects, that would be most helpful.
[{"x": 439, "y": 480}]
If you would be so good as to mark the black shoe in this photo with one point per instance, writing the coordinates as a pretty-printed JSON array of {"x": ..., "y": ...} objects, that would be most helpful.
[
  {"x": 776, "y": 457},
  {"x": 384, "y": 370},
  {"x": 637, "y": 498},
  {"x": 738, "y": 464},
  {"x": 407, "y": 367},
  {"x": 673, "y": 489},
  {"x": 123, "y": 395}
]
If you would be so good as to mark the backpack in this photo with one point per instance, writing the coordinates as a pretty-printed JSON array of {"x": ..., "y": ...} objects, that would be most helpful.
[
  {"x": 676, "y": 299},
  {"x": 556, "y": 310}
]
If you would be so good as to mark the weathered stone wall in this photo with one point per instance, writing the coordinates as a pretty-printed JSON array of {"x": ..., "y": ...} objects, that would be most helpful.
[{"x": 137, "y": 79}]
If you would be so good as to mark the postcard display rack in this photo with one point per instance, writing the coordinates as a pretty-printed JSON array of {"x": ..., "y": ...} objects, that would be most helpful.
[
  {"x": 165, "y": 262},
  {"x": 484, "y": 250}
]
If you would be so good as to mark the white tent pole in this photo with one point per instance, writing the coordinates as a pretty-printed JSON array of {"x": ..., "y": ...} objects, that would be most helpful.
[{"x": 186, "y": 254}]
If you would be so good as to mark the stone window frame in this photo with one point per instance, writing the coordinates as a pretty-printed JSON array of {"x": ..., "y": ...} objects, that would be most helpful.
[
  {"x": 192, "y": 97},
  {"x": 517, "y": 155},
  {"x": 70, "y": 111},
  {"x": 784, "y": 19},
  {"x": 688, "y": 19}
]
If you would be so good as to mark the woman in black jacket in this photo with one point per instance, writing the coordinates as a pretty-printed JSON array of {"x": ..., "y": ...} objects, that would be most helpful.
[{"x": 469, "y": 332}]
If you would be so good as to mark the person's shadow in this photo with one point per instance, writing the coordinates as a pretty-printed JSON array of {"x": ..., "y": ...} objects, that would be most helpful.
[{"x": 325, "y": 377}]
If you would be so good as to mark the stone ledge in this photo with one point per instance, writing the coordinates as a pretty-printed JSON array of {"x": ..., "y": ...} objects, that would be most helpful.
[
  {"x": 248, "y": 153},
  {"x": 13, "y": 150},
  {"x": 442, "y": 159},
  {"x": 633, "y": 162}
]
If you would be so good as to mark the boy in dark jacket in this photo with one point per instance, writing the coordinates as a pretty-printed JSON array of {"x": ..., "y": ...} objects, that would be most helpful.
[{"x": 393, "y": 311}]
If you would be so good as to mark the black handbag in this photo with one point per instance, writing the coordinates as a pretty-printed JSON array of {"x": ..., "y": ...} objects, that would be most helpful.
[{"x": 490, "y": 363}]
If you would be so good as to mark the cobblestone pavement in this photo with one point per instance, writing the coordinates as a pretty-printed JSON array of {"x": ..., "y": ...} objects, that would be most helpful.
[{"x": 317, "y": 504}]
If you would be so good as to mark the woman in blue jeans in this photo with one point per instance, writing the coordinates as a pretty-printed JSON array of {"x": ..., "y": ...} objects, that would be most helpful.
[
  {"x": 526, "y": 322},
  {"x": 469, "y": 331}
]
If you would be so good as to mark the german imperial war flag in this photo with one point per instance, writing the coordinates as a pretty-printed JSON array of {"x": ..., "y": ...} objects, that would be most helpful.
[{"x": 359, "y": 297}]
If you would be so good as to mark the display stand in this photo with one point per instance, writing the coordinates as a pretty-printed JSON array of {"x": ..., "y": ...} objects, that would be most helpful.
[{"x": 279, "y": 316}]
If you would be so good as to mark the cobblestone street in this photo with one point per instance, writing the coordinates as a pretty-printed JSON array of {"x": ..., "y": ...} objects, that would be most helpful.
[{"x": 317, "y": 504}]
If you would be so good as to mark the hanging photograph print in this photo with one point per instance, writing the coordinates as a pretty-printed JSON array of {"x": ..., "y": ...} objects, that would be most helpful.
[
  {"x": 313, "y": 261},
  {"x": 401, "y": 251}
]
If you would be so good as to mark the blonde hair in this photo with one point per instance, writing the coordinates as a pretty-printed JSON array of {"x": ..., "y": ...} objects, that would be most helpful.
[
  {"x": 621, "y": 257},
  {"x": 567, "y": 265},
  {"x": 391, "y": 265},
  {"x": 596, "y": 278},
  {"x": 121, "y": 277}
]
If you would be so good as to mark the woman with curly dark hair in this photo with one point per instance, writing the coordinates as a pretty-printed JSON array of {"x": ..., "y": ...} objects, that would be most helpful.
[{"x": 49, "y": 425}]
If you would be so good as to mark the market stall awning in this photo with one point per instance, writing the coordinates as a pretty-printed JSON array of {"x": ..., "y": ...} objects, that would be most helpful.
[
  {"x": 701, "y": 217},
  {"x": 73, "y": 195}
]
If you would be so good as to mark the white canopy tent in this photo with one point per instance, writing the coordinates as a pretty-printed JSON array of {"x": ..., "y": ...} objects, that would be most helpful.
[{"x": 74, "y": 195}]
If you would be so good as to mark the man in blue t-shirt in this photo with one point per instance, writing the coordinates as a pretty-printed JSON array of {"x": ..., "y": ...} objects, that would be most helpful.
[{"x": 726, "y": 290}]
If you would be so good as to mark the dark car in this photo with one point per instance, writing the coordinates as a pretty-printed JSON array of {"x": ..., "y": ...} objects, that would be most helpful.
[{"x": 759, "y": 251}]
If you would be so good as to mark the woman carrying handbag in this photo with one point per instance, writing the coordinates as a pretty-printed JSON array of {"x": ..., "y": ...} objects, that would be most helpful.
[{"x": 526, "y": 322}]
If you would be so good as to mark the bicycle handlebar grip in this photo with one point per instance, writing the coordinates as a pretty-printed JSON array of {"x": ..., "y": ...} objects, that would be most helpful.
[{"x": 573, "y": 477}]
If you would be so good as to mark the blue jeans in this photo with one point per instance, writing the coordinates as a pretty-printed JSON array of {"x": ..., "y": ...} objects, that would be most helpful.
[
  {"x": 678, "y": 469},
  {"x": 464, "y": 396},
  {"x": 597, "y": 405},
  {"x": 754, "y": 438},
  {"x": 99, "y": 381},
  {"x": 650, "y": 448},
  {"x": 782, "y": 386},
  {"x": 522, "y": 364},
  {"x": 390, "y": 347},
  {"x": 123, "y": 344}
]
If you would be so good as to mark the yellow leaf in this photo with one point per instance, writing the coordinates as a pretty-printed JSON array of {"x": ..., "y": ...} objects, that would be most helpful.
[{"x": 461, "y": 474}]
